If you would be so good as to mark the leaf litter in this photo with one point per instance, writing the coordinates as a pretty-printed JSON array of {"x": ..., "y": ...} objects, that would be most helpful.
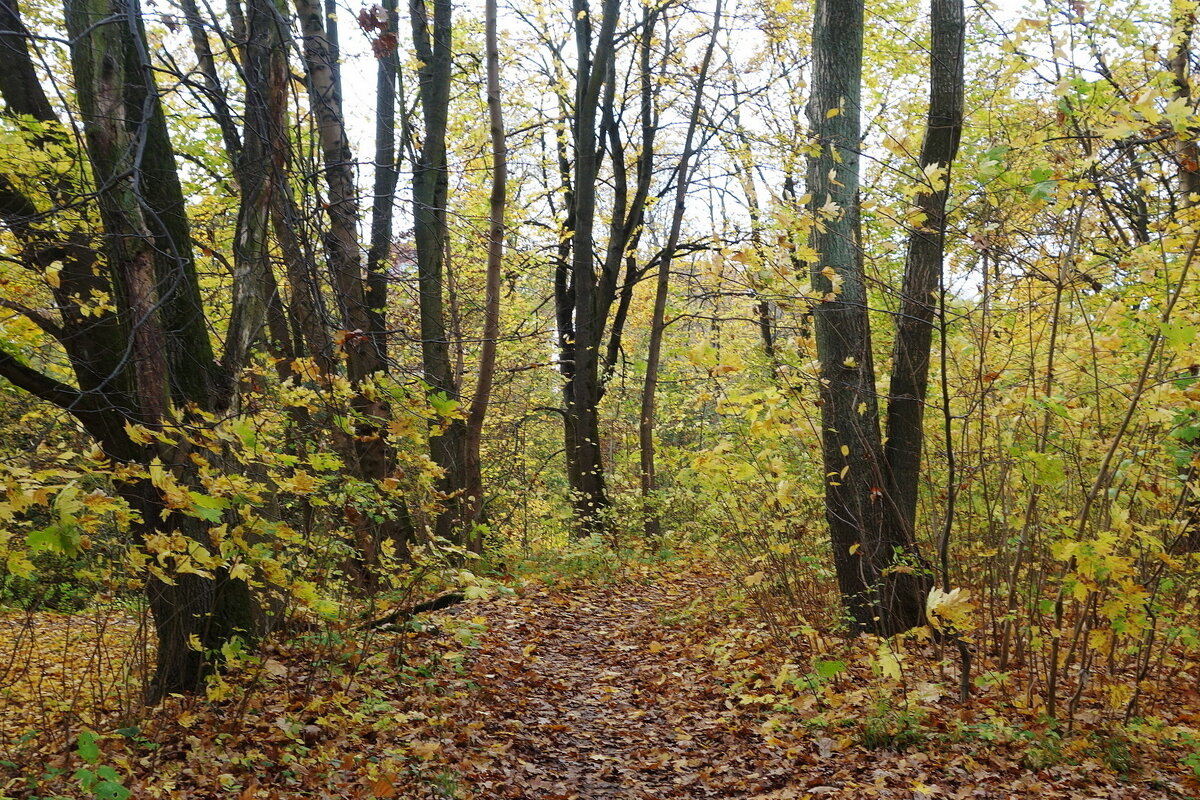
[{"x": 659, "y": 687}]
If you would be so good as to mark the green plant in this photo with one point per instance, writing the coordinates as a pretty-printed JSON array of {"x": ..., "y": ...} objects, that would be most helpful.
[
  {"x": 587, "y": 561},
  {"x": 1043, "y": 750},
  {"x": 1192, "y": 759},
  {"x": 892, "y": 726},
  {"x": 101, "y": 781},
  {"x": 1115, "y": 749},
  {"x": 60, "y": 583}
]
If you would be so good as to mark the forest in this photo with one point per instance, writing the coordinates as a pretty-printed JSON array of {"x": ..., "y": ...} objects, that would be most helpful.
[{"x": 770, "y": 399}]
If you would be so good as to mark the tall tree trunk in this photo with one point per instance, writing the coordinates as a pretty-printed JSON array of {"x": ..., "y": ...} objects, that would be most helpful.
[
  {"x": 373, "y": 459},
  {"x": 473, "y": 468},
  {"x": 1187, "y": 157},
  {"x": 431, "y": 232},
  {"x": 387, "y": 175},
  {"x": 923, "y": 264},
  {"x": 254, "y": 290},
  {"x": 881, "y": 595},
  {"x": 646, "y": 422},
  {"x": 589, "y": 297},
  {"x": 149, "y": 254}
]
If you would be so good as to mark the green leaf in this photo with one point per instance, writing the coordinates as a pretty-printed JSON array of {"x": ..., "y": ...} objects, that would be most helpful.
[
  {"x": 61, "y": 537},
  {"x": 442, "y": 404},
  {"x": 207, "y": 507},
  {"x": 827, "y": 669},
  {"x": 86, "y": 747},
  {"x": 111, "y": 789},
  {"x": 1179, "y": 336}
]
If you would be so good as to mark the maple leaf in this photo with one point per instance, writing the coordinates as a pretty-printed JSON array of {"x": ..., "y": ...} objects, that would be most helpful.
[{"x": 950, "y": 611}]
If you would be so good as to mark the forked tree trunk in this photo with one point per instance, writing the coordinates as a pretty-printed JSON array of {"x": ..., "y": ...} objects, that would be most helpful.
[
  {"x": 874, "y": 557},
  {"x": 148, "y": 248}
]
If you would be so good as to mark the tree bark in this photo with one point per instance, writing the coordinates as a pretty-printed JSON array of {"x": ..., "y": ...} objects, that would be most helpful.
[
  {"x": 586, "y": 286},
  {"x": 373, "y": 459},
  {"x": 387, "y": 175},
  {"x": 881, "y": 593},
  {"x": 149, "y": 255},
  {"x": 430, "y": 231},
  {"x": 473, "y": 468},
  {"x": 646, "y": 422},
  {"x": 923, "y": 264}
]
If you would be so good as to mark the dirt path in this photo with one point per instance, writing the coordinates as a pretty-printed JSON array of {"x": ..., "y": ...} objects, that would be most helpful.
[
  {"x": 613, "y": 693},
  {"x": 597, "y": 694}
]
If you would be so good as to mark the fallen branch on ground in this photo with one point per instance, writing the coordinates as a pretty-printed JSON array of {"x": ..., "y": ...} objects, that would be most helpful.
[{"x": 404, "y": 614}]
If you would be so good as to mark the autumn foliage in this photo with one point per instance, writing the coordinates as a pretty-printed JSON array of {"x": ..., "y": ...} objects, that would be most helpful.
[{"x": 719, "y": 420}]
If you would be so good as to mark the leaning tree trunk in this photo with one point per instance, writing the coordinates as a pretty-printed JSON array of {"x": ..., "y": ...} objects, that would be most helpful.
[
  {"x": 473, "y": 468},
  {"x": 646, "y": 421},
  {"x": 923, "y": 265}
]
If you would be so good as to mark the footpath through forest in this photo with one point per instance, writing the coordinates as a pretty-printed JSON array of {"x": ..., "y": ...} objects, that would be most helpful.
[
  {"x": 604, "y": 693},
  {"x": 615, "y": 692},
  {"x": 658, "y": 685}
]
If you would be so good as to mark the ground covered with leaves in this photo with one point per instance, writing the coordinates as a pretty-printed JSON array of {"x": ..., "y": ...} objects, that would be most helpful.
[{"x": 652, "y": 683}]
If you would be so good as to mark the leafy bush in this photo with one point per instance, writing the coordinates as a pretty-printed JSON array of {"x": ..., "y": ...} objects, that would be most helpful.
[{"x": 61, "y": 583}]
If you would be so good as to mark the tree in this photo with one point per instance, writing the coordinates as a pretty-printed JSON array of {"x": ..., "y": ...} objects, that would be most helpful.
[
  {"x": 497, "y": 200},
  {"x": 355, "y": 286},
  {"x": 141, "y": 361},
  {"x": 591, "y": 279},
  {"x": 870, "y": 490},
  {"x": 683, "y": 176},
  {"x": 430, "y": 187}
]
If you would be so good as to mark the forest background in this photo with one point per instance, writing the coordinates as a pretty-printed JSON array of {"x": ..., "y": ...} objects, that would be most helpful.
[{"x": 886, "y": 315}]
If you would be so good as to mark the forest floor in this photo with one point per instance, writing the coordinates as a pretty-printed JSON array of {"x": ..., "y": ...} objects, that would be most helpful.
[{"x": 657, "y": 685}]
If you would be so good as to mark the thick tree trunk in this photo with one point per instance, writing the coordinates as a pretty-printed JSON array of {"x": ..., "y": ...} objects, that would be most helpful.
[
  {"x": 882, "y": 594},
  {"x": 263, "y": 58},
  {"x": 1187, "y": 157},
  {"x": 149, "y": 255},
  {"x": 430, "y": 231},
  {"x": 584, "y": 298}
]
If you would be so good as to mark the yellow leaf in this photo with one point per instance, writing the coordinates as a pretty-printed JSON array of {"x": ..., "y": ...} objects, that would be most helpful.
[
  {"x": 833, "y": 112},
  {"x": 889, "y": 664},
  {"x": 656, "y": 647},
  {"x": 275, "y": 668},
  {"x": 300, "y": 483},
  {"x": 137, "y": 434},
  {"x": 950, "y": 610},
  {"x": 424, "y": 749}
]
